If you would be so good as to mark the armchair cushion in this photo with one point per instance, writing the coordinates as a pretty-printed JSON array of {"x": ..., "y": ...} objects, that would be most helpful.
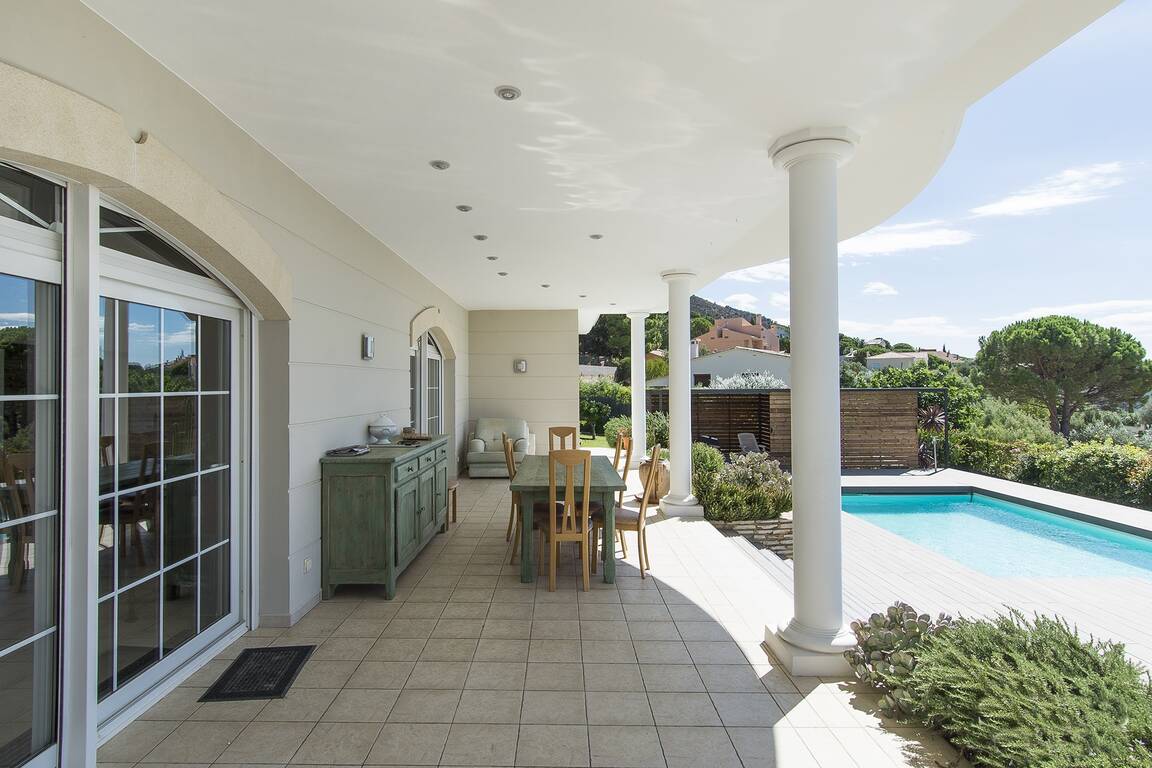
[
  {"x": 476, "y": 446},
  {"x": 485, "y": 451}
]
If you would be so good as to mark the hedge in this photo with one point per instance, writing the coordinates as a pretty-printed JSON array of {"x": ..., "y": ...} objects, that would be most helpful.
[{"x": 1121, "y": 474}]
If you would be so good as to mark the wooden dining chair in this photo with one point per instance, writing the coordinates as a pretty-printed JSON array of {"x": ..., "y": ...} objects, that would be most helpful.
[
  {"x": 622, "y": 462},
  {"x": 514, "y": 511},
  {"x": 563, "y": 439},
  {"x": 630, "y": 519},
  {"x": 567, "y": 518}
]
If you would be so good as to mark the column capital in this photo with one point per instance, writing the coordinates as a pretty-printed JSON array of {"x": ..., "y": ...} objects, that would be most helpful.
[
  {"x": 637, "y": 315},
  {"x": 836, "y": 143},
  {"x": 677, "y": 275}
]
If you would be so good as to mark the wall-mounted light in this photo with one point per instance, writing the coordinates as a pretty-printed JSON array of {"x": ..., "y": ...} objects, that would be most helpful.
[
  {"x": 367, "y": 347},
  {"x": 520, "y": 366}
]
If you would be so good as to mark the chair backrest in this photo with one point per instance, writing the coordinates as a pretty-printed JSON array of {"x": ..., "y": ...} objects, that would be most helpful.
[
  {"x": 570, "y": 519},
  {"x": 649, "y": 478},
  {"x": 490, "y": 430},
  {"x": 563, "y": 439},
  {"x": 748, "y": 443},
  {"x": 623, "y": 452},
  {"x": 509, "y": 456}
]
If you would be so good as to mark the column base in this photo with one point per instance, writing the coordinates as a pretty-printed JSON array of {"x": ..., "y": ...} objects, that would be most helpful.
[
  {"x": 674, "y": 505},
  {"x": 804, "y": 653}
]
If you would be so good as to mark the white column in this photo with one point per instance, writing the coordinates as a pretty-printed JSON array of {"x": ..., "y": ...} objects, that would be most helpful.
[
  {"x": 639, "y": 384},
  {"x": 81, "y": 351},
  {"x": 816, "y": 635},
  {"x": 679, "y": 500}
]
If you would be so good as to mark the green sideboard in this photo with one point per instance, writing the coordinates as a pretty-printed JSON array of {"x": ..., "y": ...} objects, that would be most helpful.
[{"x": 378, "y": 510}]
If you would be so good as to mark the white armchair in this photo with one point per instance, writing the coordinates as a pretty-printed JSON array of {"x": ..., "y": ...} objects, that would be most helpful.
[{"x": 485, "y": 451}]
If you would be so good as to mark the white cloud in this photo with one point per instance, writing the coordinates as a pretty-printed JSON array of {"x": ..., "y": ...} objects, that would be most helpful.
[
  {"x": 916, "y": 236},
  {"x": 1071, "y": 186},
  {"x": 877, "y": 288},
  {"x": 929, "y": 331},
  {"x": 17, "y": 319},
  {"x": 779, "y": 300},
  {"x": 775, "y": 271},
  {"x": 744, "y": 301}
]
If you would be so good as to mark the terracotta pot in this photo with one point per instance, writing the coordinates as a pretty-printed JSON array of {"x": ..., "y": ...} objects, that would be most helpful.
[{"x": 663, "y": 481}]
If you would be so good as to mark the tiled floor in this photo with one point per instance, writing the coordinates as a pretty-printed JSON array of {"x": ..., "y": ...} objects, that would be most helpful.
[{"x": 469, "y": 667}]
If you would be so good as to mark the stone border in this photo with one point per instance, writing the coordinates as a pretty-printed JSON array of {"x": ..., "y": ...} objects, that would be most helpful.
[{"x": 773, "y": 535}]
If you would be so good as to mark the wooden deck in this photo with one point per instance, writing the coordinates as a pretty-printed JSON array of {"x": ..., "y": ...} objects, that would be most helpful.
[{"x": 881, "y": 567}]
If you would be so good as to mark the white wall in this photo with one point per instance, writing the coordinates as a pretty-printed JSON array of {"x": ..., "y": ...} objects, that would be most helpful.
[
  {"x": 548, "y": 394},
  {"x": 345, "y": 283}
]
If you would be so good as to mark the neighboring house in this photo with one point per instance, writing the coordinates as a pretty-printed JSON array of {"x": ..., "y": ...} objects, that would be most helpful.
[
  {"x": 594, "y": 372},
  {"x": 731, "y": 332},
  {"x": 733, "y": 361},
  {"x": 909, "y": 359}
]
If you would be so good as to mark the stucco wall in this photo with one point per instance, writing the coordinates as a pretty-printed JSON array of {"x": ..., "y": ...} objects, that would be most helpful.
[
  {"x": 548, "y": 394},
  {"x": 342, "y": 282}
]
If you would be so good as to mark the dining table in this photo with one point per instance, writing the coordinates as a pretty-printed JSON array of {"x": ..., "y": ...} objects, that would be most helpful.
[{"x": 531, "y": 482}]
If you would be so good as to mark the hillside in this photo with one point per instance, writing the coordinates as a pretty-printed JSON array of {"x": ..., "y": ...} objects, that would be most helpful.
[{"x": 710, "y": 309}]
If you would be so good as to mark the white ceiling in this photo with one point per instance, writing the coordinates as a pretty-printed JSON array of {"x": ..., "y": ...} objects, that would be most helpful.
[{"x": 646, "y": 121}]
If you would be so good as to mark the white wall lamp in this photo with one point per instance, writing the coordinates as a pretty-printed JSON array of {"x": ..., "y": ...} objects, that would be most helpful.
[
  {"x": 367, "y": 347},
  {"x": 520, "y": 366}
]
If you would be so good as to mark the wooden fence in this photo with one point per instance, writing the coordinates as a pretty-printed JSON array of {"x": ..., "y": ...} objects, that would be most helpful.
[{"x": 877, "y": 426}]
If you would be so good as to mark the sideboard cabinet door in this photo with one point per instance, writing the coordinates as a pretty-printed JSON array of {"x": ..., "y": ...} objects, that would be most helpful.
[{"x": 407, "y": 521}]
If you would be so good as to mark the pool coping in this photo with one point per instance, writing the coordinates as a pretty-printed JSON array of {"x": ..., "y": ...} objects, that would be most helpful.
[{"x": 1118, "y": 517}]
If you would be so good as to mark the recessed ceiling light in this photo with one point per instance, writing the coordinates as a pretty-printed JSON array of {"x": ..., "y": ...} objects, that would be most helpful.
[
  {"x": 463, "y": 208},
  {"x": 493, "y": 258},
  {"x": 440, "y": 165},
  {"x": 611, "y": 303},
  {"x": 502, "y": 274},
  {"x": 545, "y": 285},
  {"x": 508, "y": 92},
  {"x": 583, "y": 295},
  {"x": 596, "y": 237},
  {"x": 480, "y": 237}
]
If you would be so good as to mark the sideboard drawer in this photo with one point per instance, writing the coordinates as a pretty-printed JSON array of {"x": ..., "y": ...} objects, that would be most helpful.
[
  {"x": 407, "y": 469},
  {"x": 427, "y": 459}
]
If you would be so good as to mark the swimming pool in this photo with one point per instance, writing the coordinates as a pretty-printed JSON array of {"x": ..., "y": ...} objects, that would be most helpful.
[{"x": 1003, "y": 539}]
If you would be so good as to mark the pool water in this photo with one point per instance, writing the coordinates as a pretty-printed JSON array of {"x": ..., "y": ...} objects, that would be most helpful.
[{"x": 1003, "y": 539}]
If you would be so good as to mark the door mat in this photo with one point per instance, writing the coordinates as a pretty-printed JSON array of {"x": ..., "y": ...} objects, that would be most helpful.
[{"x": 260, "y": 673}]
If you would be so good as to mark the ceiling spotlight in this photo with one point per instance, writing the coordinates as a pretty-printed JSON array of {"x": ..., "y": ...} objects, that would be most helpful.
[
  {"x": 502, "y": 274},
  {"x": 508, "y": 92},
  {"x": 596, "y": 237},
  {"x": 583, "y": 295},
  {"x": 493, "y": 258},
  {"x": 545, "y": 285},
  {"x": 440, "y": 165},
  {"x": 463, "y": 208},
  {"x": 480, "y": 237},
  {"x": 611, "y": 303}
]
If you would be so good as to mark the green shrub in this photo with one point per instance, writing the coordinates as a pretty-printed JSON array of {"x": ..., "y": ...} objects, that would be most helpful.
[
  {"x": 886, "y": 648},
  {"x": 1099, "y": 470},
  {"x": 599, "y": 400},
  {"x": 706, "y": 465},
  {"x": 1141, "y": 481},
  {"x": 1013, "y": 460},
  {"x": 657, "y": 428},
  {"x": 1006, "y": 421},
  {"x": 1012, "y": 692},
  {"x": 751, "y": 487}
]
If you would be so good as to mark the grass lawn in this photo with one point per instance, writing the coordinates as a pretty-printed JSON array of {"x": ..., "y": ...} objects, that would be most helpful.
[{"x": 587, "y": 441}]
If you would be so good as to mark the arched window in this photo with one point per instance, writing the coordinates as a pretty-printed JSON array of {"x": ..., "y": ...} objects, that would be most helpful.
[{"x": 426, "y": 387}]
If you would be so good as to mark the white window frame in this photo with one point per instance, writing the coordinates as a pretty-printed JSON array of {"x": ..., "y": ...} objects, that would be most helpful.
[{"x": 426, "y": 349}]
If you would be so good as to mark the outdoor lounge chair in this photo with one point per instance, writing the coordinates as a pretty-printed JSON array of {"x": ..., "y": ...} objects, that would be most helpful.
[{"x": 748, "y": 443}]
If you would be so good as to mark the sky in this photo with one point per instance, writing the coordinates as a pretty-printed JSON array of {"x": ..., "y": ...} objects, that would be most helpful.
[{"x": 1043, "y": 207}]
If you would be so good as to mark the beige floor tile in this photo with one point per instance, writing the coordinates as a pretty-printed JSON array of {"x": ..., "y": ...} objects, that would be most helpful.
[
  {"x": 513, "y": 611},
  {"x": 458, "y": 628},
  {"x": 692, "y": 747},
  {"x": 730, "y": 678},
  {"x": 267, "y": 743},
  {"x": 674, "y": 678},
  {"x": 324, "y": 674},
  {"x": 381, "y": 674},
  {"x": 421, "y": 610},
  {"x": 438, "y": 675},
  {"x": 483, "y": 706},
  {"x": 438, "y": 649},
  {"x": 409, "y": 628},
  {"x": 177, "y": 705},
  {"x": 618, "y": 708},
  {"x": 552, "y": 745},
  {"x": 195, "y": 743},
  {"x": 625, "y": 746},
  {"x": 409, "y": 744},
  {"x": 604, "y": 630},
  {"x": 367, "y": 705},
  {"x": 777, "y": 747},
  {"x": 497, "y": 675},
  {"x": 723, "y": 652},
  {"x": 556, "y": 629},
  {"x": 747, "y": 709},
  {"x": 135, "y": 741},
  {"x": 608, "y": 651},
  {"x": 555, "y": 676},
  {"x": 480, "y": 745},
  {"x": 300, "y": 705},
  {"x": 343, "y": 648},
  {"x": 467, "y": 611},
  {"x": 554, "y": 708},
  {"x": 415, "y": 706},
  {"x": 229, "y": 711},
  {"x": 613, "y": 677},
  {"x": 683, "y": 709},
  {"x": 501, "y": 650},
  {"x": 337, "y": 743},
  {"x": 396, "y": 649},
  {"x": 658, "y": 631},
  {"x": 662, "y": 652},
  {"x": 554, "y": 650},
  {"x": 601, "y": 612}
]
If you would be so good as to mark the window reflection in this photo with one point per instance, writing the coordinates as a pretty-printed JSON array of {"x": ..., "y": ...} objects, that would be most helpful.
[
  {"x": 29, "y": 199},
  {"x": 139, "y": 334},
  {"x": 179, "y": 351}
]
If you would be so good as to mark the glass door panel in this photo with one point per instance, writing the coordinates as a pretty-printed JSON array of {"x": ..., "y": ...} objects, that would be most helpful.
[
  {"x": 166, "y": 497},
  {"x": 29, "y": 517}
]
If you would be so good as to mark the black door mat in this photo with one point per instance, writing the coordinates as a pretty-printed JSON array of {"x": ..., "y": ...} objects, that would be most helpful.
[{"x": 260, "y": 673}]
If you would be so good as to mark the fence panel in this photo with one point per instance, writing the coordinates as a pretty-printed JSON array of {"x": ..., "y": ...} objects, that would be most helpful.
[{"x": 877, "y": 426}]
